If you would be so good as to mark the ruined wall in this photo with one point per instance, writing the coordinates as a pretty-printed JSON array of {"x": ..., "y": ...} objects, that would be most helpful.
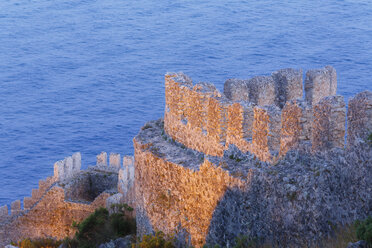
[
  {"x": 52, "y": 216},
  {"x": 67, "y": 168},
  {"x": 328, "y": 127},
  {"x": 70, "y": 195},
  {"x": 320, "y": 83},
  {"x": 205, "y": 199},
  {"x": 359, "y": 117},
  {"x": 173, "y": 198},
  {"x": 126, "y": 183},
  {"x": 264, "y": 115}
]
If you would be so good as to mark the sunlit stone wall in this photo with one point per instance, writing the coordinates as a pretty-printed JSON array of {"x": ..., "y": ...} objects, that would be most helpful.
[{"x": 265, "y": 115}]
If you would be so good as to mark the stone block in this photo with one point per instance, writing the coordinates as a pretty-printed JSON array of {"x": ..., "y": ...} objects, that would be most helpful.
[
  {"x": 59, "y": 170},
  {"x": 288, "y": 83},
  {"x": 128, "y": 161},
  {"x": 320, "y": 83},
  {"x": 3, "y": 212},
  {"x": 266, "y": 131},
  {"x": 35, "y": 194},
  {"x": 15, "y": 207},
  {"x": 76, "y": 158},
  {"x": 68, "y": 164},
  {"x": 262, "y": 90},
  {"x": 115, "y": 160},
  {"x": 126, "y": 175},
  {"x": 122, "y": 180},
  {"x": 328, "y": 126},
  {"x": 216, "y": 121},
  {"x": 102, "y": 159},
  {"x": 236, "y": 90},
  {"x": 28, "y": 202},
  {"x": 248, "y": 118},
  {"x": 43, "y": 185},
  {"x": 235, "y": 122},
  {"x": 359, "y": 117},
  {"x": 112, "y": 201},
  {"x": 294, "y": 125},
  {"x": 175, "y": 86}
]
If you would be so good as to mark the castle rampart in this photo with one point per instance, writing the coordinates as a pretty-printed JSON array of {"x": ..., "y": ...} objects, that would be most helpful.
[
  {"x": 265, "y": 115},
  {"x": 320, "y": 83},
  {"x": 69, "y": 195},
  {"x": 259, "y": 160},
  {"x": 359, "y": 117}
]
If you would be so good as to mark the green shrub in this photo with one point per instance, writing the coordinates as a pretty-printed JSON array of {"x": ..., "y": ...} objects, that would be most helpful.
[
  {"x": 243, "y": 241},
  {"x": 38, "y": 243},
  {"x": 364, "y": 230},
  {"x": 100, "y": 227},
  {"x": 159, "y": 240},
  {"x": 370, "y": 138}
]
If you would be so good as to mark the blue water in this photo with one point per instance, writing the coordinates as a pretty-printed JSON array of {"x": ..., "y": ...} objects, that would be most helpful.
[{"x": 85, "y": 75}]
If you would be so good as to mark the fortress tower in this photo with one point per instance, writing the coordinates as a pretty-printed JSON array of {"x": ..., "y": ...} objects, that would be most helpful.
[{"x": 252, "y": 160}]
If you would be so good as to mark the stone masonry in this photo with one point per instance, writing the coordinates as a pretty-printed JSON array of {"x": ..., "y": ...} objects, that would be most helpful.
[
  {"x": 258, "y": 160},
  {"x": 253, "y": 115},
  {"x": 70, "y": 195}
]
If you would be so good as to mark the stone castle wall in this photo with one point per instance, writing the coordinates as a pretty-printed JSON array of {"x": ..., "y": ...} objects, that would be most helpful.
[
  {"x": 206, "y": 174},
  {"x": 266, "y": 115},
  {"x": 173, "y": 198},
  {"x": 66, "y": 197}
]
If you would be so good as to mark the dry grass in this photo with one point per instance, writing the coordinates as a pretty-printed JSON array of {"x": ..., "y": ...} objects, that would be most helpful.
[{"x": 342, "y": 237}]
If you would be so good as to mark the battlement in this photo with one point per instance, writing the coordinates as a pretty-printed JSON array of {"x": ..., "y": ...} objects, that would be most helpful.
[
  {"x": 70, "y": 193},
  {"x": 265, "y": 115},
  {"x": 67, "y": 168}
]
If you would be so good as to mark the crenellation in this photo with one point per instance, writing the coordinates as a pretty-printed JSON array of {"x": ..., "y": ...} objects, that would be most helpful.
[
  {"x": 266, "y": 132},
  {"x": 328, "y": 126},
  {"x": 320, "y": 83},
  {"x": 248, "y": 116},
  {"x": 359, "y": 118},
  {"x": 288, "y": 84},
  {"x": 15, "y": 207},
  {"x": 35, "y": 194},
  {"x": 199, "y": 112},
  {"x": 68, "y": 166},
  {"x": 235, "y": 123},
  {"x": 102, "y": 159},
  {"x": 126, "y": 185},
  {"x": 4, "y": 213},
  {"x": 76, "y": 158},
  {"x": 43, "y": 185},
  {"x": 115, "y": 161},
  {"x": 28, "y": 202},
  {"x": 236, "y": 90},
  {"x": 173, "y": 186},
  {"x": 262, "y": 90},
  {"x": 59, "y": 170},
  {"x": 295, "y": 123}
]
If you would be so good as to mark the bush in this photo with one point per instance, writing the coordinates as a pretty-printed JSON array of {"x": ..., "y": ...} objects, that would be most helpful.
[
  {"x": 38, "y": 243},
  {"x": 100, "y": 227},
  {"x": 364, "y": 230},
  {"x": 159, "y": 240}
]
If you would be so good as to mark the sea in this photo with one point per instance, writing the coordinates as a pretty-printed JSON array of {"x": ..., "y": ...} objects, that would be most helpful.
[{"x": 85, "y": 75}]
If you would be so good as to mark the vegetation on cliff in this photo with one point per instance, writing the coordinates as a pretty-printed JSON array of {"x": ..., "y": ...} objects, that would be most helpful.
[{"x": 101, "y": 227}]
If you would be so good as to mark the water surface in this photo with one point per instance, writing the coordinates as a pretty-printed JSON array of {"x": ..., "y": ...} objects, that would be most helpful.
[{"x": 86, "y": 75}]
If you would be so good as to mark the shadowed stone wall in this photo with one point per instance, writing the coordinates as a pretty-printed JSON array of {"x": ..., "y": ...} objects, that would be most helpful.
[
  {"x": 359, "y": 117},
  {"x": 210, "y": 199}
]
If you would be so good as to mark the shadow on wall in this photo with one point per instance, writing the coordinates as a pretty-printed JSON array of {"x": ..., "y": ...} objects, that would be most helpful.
[{"x": 298, "y": 201}]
